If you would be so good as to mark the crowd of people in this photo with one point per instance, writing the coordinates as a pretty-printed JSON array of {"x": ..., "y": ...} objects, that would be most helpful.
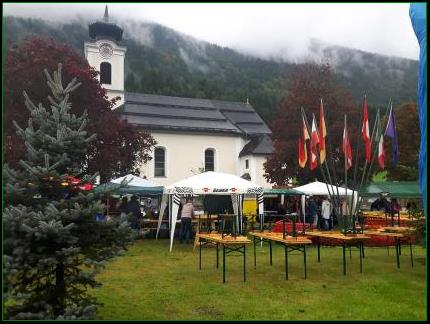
[
  {"x": 383, "y": 204},
  {"x": 318, "y": 211}
]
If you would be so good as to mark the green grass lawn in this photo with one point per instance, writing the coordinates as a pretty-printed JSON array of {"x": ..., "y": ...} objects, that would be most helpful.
[{"x": 149, "y": 283}]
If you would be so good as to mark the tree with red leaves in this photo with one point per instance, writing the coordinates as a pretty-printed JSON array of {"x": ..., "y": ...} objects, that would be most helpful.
[
  {"x": 408, "y": 133},
  {"x": 119, "y": 148},
  {"x": 308, "y": 84}
]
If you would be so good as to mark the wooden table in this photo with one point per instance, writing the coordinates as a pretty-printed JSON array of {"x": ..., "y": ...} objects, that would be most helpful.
[
  {"x": 229, "y": 244},
  {"x": 400, "y": 232},
  {"x": 290, "y": 244},
  {"x": 349, "y": 240}
]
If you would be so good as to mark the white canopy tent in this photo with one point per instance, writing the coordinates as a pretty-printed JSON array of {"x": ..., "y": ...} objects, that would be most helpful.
[
  {"x": 210, "y": 183},
  {"x": 318, "y": 188}
]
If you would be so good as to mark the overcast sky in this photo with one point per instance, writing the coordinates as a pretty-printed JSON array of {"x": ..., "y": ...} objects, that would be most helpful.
[{"x": 261, "y": 28}]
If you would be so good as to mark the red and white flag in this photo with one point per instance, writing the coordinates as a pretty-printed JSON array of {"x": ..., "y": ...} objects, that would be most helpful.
[
  {"x": 314, "y": 134},
  {"x": 365, "y": 130},
  {"x": 313, "y": 149},
  {"x": 313, "y": 144},
  {"x": 346, "y": 148}
]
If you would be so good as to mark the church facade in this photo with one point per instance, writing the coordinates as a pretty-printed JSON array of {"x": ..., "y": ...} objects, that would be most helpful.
[{"x": 193, "y": 135}]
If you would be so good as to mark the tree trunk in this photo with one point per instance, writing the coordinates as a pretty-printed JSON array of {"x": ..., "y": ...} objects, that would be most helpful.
[{"x": 60, "y": 290}]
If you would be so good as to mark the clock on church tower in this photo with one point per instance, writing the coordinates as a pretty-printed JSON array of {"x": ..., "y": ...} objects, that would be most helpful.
[
  {"x": 105, "y": 50},
  {"x": 105, "y": 54}
]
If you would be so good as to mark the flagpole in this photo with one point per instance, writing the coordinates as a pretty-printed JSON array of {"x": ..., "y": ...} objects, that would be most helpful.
[
  {"x": 333, "y": 168},
  {"x": 317, "y": 155},
  {"x": 326, "y": 162},
  {"x": 345, "y": 139},
  {"x": 356, "y": 168},
  {"x": 373, "y": 158},
  {"x": 363, "y": 175}
]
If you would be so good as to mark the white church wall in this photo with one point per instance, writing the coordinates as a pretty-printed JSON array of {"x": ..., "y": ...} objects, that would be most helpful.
[
  {"x": 259, "y": 161},
  {"x": 255, "y": 169},
  {"x": 185, "y": 155}
]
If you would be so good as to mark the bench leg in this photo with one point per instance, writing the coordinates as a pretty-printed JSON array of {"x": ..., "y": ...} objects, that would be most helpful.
[{"x": 286, "y": 262}]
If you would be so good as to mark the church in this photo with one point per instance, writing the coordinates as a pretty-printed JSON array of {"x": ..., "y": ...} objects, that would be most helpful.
[{"x": 193, "y": 135}]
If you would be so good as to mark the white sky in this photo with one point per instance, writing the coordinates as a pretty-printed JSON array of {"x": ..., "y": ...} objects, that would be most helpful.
[{"x": 261, "y": 28}]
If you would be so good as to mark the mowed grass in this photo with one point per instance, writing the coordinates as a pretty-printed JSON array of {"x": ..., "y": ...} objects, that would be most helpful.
[{"x": 149, "y": 283}]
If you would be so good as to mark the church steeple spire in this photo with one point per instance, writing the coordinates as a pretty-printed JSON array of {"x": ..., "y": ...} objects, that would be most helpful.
[
  {"x": 106, "y": 16},
  {"x": 103, "y": 29}
]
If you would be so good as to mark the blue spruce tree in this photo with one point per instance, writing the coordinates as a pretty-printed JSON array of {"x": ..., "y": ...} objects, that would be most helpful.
[{"x": 53, "y": 244}]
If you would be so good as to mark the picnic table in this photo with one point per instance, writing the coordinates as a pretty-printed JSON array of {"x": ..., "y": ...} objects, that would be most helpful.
[
  {"x": 398, "y": 233},
  {"x": 230, "y": 243},
  {"x": 347, "y": 240},
  {"x": 290, "y": 243}
]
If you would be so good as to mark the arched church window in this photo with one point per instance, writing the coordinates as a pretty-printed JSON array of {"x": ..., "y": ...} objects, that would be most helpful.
[
  {"x": 105, "y": 73},
  {"x": 159, "y": 162},
  {"x": 210, "y": 160}
]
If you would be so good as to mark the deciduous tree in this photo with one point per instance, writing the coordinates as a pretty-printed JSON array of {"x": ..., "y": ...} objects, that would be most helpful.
[
  {"x": 408, "y": 140},
  {"x": 308, "y": 84},
  {"x": 119, "y": 148}
]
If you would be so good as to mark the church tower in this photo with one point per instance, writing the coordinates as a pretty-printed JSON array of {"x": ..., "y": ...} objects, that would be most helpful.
[{"x": 105, "y": 55}]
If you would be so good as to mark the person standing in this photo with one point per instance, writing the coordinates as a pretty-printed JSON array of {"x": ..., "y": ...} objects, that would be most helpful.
[
  {"x": 325, "y": 213},
  {"x": 133, "y": 207},
  {"x": 187, "y": 214},
  {"x": 313, "y": 210},
  {"x": 122, "y": 206}
]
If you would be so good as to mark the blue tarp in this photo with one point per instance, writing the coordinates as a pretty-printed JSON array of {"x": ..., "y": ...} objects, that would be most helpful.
[{"x": 418, "y": 15}]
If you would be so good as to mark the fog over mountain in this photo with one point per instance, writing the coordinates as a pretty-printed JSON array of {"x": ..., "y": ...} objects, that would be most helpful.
[
  {"x": 162, "y": 60},
  {"x": 264, "y": 29}
]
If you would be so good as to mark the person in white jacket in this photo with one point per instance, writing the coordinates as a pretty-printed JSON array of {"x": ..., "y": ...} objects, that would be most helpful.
[{"x": 326, "y": 213}]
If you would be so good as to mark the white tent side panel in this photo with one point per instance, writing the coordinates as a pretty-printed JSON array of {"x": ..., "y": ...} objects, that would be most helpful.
[
  {"x": 175, "y": 210},
  {"x": 162, "y": 209}
]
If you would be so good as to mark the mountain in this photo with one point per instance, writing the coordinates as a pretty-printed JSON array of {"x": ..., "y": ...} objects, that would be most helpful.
[{"x": 160, "y": 60}]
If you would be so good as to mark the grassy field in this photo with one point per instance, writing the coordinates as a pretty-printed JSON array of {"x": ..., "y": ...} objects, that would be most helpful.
[{"x": 149, "y": 283}]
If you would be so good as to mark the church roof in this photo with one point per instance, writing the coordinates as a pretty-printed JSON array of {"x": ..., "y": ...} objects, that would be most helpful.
[
  {"x": 155, "y": 112},
  {"x": 259, "y": 144},
  {"x": 105, "y": 29}
]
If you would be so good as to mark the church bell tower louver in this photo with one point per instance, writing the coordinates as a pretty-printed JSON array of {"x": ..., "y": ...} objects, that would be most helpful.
[{"x": 105, "y": 54}]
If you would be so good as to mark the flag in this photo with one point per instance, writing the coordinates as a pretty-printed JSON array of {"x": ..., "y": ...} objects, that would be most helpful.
[
  {"x": 313, "y": 149},
  {"x": 391, "y": 131},
  {"x": 380, "y": 140},
  {"x": 313, "y": 144},
  {"x": 346, "y": 147},
  {"x": 303, "y": 156},
  {"x": 365, "y": 130},
  {"x": 314, "y": 134},
  {"x": 305, "y": 130},
  {"x": 323, "y": 134}
]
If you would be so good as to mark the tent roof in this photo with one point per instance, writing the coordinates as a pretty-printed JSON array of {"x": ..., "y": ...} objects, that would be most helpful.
[
  {"x": 288, "y": 192},
  {"x": 136, "y": 185},
  {"x": 320, "y": 189},
  {"x": 214, "y": 183},
  {"x": 135, "y": 181},
  {"x": 398, "y": 189}
]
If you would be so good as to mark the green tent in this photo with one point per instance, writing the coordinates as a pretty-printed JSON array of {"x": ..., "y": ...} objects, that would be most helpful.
[
  {"x": 131, "y": 185},
  {"x": 397, "y": 189},
  {"x": 116, "y": 189},
  {"x": 288, "y": 192}
]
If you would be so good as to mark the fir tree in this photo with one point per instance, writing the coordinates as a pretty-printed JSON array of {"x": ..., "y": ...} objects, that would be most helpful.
[{"x": 53, "y": 244}]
